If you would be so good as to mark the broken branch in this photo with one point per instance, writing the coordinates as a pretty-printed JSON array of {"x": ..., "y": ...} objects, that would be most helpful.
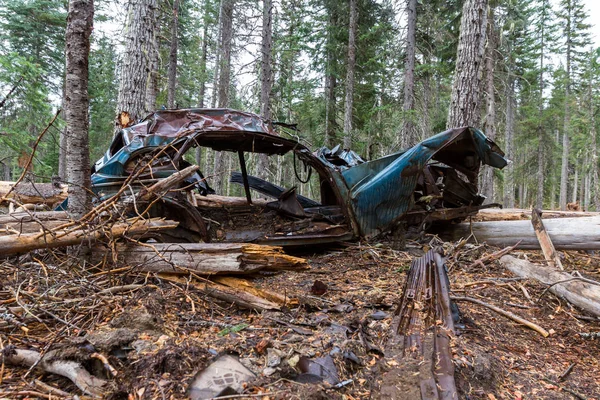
[{"x": 507, "y": 314}]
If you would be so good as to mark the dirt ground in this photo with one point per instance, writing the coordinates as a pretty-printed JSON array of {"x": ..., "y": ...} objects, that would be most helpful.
[{"x": 160, "y": 334}]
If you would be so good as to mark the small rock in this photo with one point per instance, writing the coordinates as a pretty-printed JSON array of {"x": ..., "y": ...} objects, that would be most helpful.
[
  {"x": 379, "y": 315},
  {"x": 269, "y": 371},
  {"x": 273, "y": 357}
]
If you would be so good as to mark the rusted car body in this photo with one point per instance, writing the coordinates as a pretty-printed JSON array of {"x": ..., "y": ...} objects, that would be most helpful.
[{"x": 434, "y": 180}]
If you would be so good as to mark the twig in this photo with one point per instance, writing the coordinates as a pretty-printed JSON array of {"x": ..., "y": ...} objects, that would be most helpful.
[
  {"x": 35, "y": 145},
  {"x": 507, "y": 314},
  {"x": 50, "y": 389},
  {"x": 575, "y": 278},
  {"x": 105, "y": 362},
  {"x": 239, "y": 396},
  {"x": 564, "y": 375},
  {"x": 574, "y": 393},
  {"x": 493, "y": 256},
  {"x": 10, "y": 92}
]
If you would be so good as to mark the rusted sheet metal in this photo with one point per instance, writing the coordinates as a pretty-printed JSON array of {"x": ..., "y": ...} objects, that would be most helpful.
[
  {"x": 423, "y": 326},
  {"x": 382, "y": 191}
]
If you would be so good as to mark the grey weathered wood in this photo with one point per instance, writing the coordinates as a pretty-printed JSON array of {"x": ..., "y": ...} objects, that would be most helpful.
[
  {"x": 206, "y": 258},
  {"x": 565, "y": 233},
  {"x": 581, "y": 294}
]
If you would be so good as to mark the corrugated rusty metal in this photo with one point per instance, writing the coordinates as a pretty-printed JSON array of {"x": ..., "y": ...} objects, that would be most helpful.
[{"x": 424, "y": 326}]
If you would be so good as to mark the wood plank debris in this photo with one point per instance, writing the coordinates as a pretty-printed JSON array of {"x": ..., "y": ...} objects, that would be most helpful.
[{"x": 545, "y": 241}]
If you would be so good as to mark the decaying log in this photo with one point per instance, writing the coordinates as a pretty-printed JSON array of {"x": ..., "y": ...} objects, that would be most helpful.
[
  {"x": 72, "y": 370},
  {"x": 13, "y": 244},
  {"x": 35, "y": 193},
  {"x": 206, "y": 258},
  {"x": 246, "y": 286},
  {"x": 581, "y": 294},
  {"x": 565, "y": 233},
  {"x": 420, "y": 337},
  {"x": 240, "y": 296},
  {"x": 518, "y": 214},
  {"x": 544, "y": 239},
  {"x": 30, "y": 222}
]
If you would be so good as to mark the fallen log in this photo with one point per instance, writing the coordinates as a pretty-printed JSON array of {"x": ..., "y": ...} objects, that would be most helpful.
[
  {"x": 518, "y": 214},
  {"x": 34, "y": 193},
  {"x": 13, "y": 244},
  {"x": 30, "y": 222},
  {"x": 205, "y": 258},
  {"x": 232, "y": 295},
  {"x": 579, "y": 293},
  {"x": 565, "y": 233},
  {"x": 73, "y": 370}
]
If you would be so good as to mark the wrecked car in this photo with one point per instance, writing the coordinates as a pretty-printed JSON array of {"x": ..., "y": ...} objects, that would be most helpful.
[{"x": 436, "y": 180}]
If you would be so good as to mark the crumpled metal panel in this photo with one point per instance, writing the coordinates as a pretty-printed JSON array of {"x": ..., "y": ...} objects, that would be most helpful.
[
  {"x": 381, "y": 191},
  {"x": 220, "y": 129}
]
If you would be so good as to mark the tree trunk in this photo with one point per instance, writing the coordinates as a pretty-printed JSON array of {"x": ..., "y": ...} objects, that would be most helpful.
[
  {"x": 541, "y": 147},
  {"x": 350, "y": 67},
  {"x": 564, "y": 168},
  {"x": 266, "y": 78},
  {"x": 139, "y": 38},
  {"x": 153, "y": 58},
  {"x": 409, "y": 135},
  {"x": 509, "y": 184},
  {"x": 226, "y": 16},
  {"x": 330, "y": 80},
  {"x": 79, "y": 29},
  {"x": 464, "y": 105},
  {"x": 172, "y": 72},
  {"x": 487, "y": 185}
]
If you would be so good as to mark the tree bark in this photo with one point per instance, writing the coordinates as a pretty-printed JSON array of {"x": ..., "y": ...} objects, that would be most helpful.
[
  {"x": 266, "y": 78},
  {"x": 226, "y": 38},
  {"x": 330, "y": 79},
  {"x": 139, "y": 38},
  {"x": 350, "y": 67},
  {"x": 465, "y": 101},
  {"x": 172, "y": 72},
  {"x": 541, "y": 147},
  {"x": 409, "y": 135},
  {"x": 487, "y": 185},
  {"x": 509, "y": 181},
  {"x": 564, "y": 167},
  {"x": 79, "y": 29}
]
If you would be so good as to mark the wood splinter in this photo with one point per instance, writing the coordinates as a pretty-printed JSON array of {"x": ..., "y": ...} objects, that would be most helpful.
[{"x": 545, "y": 242}]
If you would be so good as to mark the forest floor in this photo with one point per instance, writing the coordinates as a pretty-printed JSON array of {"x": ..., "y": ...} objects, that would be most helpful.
[{"x": 159, "y": 335}]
